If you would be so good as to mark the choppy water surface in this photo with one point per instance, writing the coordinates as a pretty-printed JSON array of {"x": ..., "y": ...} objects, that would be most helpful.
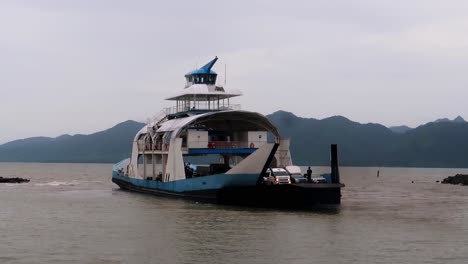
[{"x": 72, "y": 213}]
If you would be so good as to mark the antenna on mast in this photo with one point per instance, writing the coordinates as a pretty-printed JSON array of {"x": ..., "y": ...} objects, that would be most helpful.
[{"x": 225, "y": 74}]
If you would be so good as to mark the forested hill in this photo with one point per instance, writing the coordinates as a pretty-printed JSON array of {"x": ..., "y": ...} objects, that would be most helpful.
[
  {"x": 108, "y": 146},
  {"x": 436, "y": 144}
]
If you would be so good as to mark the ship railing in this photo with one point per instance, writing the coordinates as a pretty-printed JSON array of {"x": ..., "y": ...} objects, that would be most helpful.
[
  {"x": 145, "y": 146},
  {"x": 213, "y": 144},
  {"x": 201, "y": 107},
  {"x": 218, "y": 144}
]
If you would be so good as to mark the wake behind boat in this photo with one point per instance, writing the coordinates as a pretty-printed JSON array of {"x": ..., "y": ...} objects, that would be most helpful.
[{"x": 235, "y": 152}]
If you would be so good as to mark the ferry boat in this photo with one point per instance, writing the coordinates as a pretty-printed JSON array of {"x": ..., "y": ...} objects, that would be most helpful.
[{"x": 232, "y": 150}]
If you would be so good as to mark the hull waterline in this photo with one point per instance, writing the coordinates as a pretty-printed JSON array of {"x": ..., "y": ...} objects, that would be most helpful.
[{"x": 305, "y": 195}]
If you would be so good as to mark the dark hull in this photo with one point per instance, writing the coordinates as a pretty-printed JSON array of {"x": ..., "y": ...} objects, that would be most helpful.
[{"x": 278, "y": 196}]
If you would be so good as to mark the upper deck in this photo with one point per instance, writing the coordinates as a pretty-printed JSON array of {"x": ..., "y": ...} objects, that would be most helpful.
[
  {"x": 205, "y": 120},
  {"x": 198, "y": 109},
  {"x": 201, "y": 94}
]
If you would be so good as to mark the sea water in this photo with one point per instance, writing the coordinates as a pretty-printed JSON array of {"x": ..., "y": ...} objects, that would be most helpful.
[{"x": 73, "y": 213}]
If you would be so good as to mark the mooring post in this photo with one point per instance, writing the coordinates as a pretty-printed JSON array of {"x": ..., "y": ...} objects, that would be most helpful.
[{"x": 335, "y": 173}]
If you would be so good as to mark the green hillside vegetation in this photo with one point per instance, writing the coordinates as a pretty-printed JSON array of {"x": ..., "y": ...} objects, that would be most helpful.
[
  {"x": 441, "y": 144},
  {"x": 436, "y": 144},
  {"x": 107, "y": 146}
]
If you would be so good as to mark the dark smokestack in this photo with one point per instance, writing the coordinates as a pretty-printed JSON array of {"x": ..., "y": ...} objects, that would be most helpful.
[{"x": 335, "y": 173}]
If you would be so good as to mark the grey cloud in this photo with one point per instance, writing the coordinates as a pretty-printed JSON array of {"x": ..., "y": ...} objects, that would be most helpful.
[{"x": 81, "y": 66}]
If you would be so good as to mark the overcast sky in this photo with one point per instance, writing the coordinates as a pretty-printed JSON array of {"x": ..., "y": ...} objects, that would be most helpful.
[{"x": 70, "y": 66}]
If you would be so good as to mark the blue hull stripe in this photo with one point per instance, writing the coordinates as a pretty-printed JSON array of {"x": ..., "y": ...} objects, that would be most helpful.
[
  {"x": 212, "y": 182},
  {"x": 222, "y": 151}
]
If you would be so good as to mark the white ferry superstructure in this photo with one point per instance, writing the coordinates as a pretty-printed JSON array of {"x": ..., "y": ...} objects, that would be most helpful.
[{"x": 233, "y": 149}]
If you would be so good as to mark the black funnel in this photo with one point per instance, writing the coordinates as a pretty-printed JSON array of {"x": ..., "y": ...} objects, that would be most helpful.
[{"x": 335, "y": 173}]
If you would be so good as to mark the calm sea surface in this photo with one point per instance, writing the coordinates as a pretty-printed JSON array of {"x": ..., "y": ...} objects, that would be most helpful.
[{"x": 72, "y": 213}]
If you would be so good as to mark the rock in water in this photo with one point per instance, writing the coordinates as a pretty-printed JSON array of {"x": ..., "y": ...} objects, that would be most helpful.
[
  {"x": 457, "y": 179},
  {"x": 13, "y": 180}
]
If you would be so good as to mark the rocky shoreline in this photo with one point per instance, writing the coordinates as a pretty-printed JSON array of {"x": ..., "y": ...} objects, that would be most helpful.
[
  {"x": 13, "y": 180},
  {"x": 461, "y": 179}
]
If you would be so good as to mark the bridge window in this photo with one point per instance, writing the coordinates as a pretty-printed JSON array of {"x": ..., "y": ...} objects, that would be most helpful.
[{"x": 202, "y": 79}]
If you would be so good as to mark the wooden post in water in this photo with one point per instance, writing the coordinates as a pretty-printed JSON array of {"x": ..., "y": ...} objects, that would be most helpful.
[{"x": 335, "y": 173}]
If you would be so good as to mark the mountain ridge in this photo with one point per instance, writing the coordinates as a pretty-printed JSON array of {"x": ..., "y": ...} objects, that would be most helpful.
[
  {"x": 104, "y": 146},
  {"x": 400, "y": 129},
  {"x": 435, "y": 144},
  {"x": 457, "y": 119}
]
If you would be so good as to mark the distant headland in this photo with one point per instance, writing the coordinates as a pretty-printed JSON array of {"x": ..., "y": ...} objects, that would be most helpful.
[{"x": 442, "y": 143}]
